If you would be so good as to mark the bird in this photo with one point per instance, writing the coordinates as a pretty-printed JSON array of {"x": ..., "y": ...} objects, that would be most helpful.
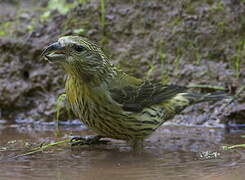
[{"x": 111, "y": 102}]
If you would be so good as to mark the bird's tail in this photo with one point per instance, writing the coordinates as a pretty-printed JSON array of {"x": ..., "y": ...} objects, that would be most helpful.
[
  {"x": 182, "y": 100},
  {"x": 196, "y": 98}
]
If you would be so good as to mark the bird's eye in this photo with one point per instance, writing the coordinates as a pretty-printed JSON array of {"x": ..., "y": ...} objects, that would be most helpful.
[{"x": 78, "y": 48}]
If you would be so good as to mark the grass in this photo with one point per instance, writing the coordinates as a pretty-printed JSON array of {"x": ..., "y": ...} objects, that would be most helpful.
[
  {"x": 164, "y": 71},
  {"x": 233, "y": 146},
  {"x": 102, "y": 15},
  {"x": 177, "y": 61},
  {"x": 151, "y": 70},
  {"x": 196, "y": 51},
  {"x": 240, "y": 54},
  {"x": 221, "y": 26},
  {"x": 219, "y": 6},
  {"x": 61, "y": 103},
  {"x": 197, "y": 56},
  {"x": 62, "y": 6}
]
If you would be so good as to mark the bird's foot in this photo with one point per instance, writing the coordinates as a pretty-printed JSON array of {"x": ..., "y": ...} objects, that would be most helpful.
[{"x": 87, "y": 140}]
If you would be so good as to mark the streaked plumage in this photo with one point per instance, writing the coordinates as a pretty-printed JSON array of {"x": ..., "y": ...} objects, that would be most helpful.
[{"x": 110, "y": 102}]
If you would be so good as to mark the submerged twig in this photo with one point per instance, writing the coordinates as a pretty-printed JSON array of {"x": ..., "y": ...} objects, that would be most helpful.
[{"x": 41, "y": 148}]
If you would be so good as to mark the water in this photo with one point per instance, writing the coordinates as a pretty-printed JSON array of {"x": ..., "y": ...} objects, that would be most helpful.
[{"x": 171, "y": 153}]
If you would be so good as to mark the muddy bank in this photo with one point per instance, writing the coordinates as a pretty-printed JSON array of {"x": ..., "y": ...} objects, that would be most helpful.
[{"x": 185, "y": 42}]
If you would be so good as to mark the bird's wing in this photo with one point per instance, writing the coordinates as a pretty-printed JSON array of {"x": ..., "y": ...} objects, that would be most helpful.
[{"x": 147, "y": 93}]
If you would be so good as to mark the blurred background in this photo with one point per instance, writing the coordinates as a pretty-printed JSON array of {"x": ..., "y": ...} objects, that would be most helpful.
[
  {"x": 188, "y": 42},
  {"x": 178, "y": 42}
]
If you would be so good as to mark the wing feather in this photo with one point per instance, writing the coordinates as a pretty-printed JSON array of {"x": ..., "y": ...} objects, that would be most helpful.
[{"x": 148, "y": 93}]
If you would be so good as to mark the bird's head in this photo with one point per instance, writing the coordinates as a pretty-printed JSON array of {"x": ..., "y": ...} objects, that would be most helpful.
[{"x": 80, "y": 58}]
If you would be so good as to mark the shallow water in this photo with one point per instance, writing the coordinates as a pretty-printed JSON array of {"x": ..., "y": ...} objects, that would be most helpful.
[{"x": 171, "y": 153}]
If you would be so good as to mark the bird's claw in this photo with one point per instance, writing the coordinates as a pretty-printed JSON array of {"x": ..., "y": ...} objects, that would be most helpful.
[{"x": 87, "y": 140}]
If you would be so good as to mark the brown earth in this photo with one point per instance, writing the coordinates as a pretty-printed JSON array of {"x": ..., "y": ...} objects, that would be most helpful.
[{"x": 179, "y": 42}]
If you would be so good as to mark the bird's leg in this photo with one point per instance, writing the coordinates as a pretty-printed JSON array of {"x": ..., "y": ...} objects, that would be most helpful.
[
  {"x": 137, "y": 145},
  {"x": 87, "y": 140}
]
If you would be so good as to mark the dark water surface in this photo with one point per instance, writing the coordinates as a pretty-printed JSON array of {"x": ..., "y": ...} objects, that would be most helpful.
[{"x": 171, "y": 153}]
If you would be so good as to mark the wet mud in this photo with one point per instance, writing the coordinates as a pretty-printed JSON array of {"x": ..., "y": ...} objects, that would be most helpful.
[
  {"x": 171, "y": 153},
  {"x": 175, "y": 42}
]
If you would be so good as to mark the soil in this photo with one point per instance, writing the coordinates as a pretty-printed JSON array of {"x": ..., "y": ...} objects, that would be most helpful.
[{"x": 178, "y": 42}]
